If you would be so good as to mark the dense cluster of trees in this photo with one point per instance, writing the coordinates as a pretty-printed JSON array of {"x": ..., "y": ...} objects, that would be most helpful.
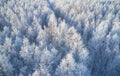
[{"x": 59, "y": 38}]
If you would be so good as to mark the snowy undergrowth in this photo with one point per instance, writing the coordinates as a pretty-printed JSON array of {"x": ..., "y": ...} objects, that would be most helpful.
[{"x": 59, "y": 38}]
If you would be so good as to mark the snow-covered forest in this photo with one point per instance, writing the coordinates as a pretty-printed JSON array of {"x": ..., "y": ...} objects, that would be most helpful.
[{"x": 59, "y": 38}]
